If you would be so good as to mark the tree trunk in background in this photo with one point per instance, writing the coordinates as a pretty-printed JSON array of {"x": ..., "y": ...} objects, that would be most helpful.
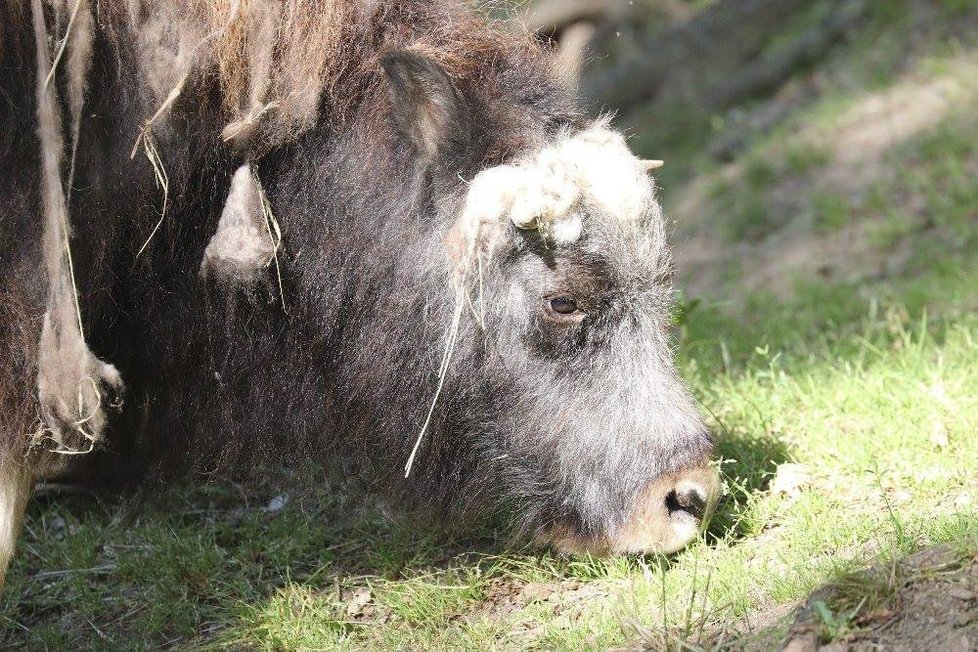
[
  {"x": 768, "y": 73},
  {"x": 706, "y": 49},
  {"x": 551, "y": 17}
]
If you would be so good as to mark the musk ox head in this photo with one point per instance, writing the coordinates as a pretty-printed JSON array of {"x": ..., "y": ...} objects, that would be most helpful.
[{"x": 558, "y": 377}]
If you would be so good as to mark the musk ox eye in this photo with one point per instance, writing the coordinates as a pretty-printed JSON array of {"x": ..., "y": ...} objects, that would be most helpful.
[{"x": 564, "y": 305}]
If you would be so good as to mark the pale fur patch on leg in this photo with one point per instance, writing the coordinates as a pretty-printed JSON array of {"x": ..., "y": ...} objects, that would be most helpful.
[
  {"x": 73, "y": 385},
  {"x": 15, "y": 490}
]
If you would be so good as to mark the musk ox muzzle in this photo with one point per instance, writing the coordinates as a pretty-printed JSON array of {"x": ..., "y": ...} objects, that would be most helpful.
[
  {"x": 660, "y": 517},
  {"x": 665, "y": 517}
]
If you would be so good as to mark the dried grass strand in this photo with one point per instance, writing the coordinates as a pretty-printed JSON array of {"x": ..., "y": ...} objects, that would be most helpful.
[
  {"x": 162, "y": 181},
  {"x": 470, "y": 257},
  {"x": 275, "y": 238},
  {"x": 64, "y": 44},
  {"x": 145, "y": 136},
  {"x": 453, "y": 332}
]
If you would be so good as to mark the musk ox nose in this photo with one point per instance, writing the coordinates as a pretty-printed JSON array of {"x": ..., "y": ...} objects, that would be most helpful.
[
  {"x": 687, "y": 497},
  {"x": 669, "y": 513}
]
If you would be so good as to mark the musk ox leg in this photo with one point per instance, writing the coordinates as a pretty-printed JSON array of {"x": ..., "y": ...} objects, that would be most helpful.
[
  {"x": 15, "y": 490},
  {"x": 19, "y": 325}
]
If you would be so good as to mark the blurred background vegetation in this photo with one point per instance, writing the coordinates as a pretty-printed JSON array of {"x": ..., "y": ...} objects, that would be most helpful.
[{"x": 804, "y": 140}]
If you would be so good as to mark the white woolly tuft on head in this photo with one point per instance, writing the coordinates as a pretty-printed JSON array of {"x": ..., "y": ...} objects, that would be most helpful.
[
  {"x": 549, "y": 188},
  {"x": 568, "y": 229},
  {"x": 610, "y": 176}
]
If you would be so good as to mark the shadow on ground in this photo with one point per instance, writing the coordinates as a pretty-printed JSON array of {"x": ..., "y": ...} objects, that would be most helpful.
[{"x": 163, "y": 567}]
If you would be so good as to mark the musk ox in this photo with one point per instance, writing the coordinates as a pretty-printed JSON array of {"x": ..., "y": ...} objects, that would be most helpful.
[{"x": 240, "y": 230}]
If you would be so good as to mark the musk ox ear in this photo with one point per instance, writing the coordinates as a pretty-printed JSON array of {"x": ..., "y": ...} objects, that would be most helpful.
[{"x": 426, "y": 104}]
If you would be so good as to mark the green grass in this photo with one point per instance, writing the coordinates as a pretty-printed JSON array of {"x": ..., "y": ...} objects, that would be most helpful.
[
  {"x": 750, "y": 219},
  {"x": 802, "y": 157},
  {"x": 832, "y": 212}
]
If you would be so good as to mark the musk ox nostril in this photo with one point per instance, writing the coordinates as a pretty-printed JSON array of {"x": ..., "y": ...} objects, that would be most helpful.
[{"x": 686, "y": 497}]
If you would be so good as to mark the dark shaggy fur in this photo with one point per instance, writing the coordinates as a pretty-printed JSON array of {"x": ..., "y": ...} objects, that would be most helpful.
[{"x": 417, "y": 97}]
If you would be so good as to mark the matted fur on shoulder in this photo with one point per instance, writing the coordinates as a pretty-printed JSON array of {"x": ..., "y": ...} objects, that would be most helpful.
[{"x": 280, "y": 62}]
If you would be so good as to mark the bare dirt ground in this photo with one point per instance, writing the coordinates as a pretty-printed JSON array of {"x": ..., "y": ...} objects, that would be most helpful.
[{"x": 933, "y": 606}]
